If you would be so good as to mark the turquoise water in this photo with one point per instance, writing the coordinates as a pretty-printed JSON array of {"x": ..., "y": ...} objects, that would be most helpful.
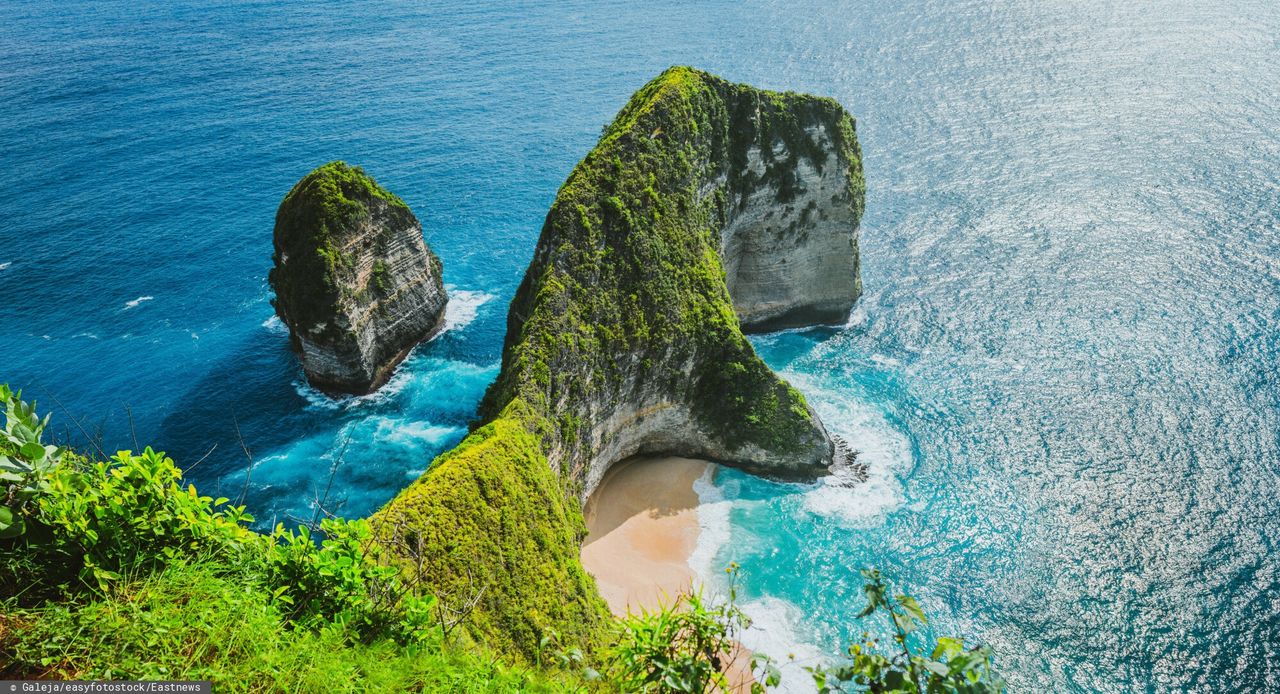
[{"x": 1062, "y": 375}]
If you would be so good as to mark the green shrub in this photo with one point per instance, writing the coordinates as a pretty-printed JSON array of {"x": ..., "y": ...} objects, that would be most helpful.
[
  {"x": 131, "y": 513},
  {"x": 25, "y": 462},
  {"x": 950, "y": 668},
  {"x": 683, "y": 646},
  {"x": 338, "y": 581}
]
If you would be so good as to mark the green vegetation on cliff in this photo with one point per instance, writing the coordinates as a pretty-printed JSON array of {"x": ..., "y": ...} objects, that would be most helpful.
[
  {"x": 628, "y": 262},
  {"x": 315, "y": 214},
  {"x": 626, "y": 287},
  {"x": 490, "y": 530},
  {"x": 115, "y": 569},
  {"x": 313, "y": 222}
]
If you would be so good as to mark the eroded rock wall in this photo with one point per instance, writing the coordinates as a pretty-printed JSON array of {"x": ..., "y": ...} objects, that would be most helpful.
[
  {"x": 355, "y": 282},
  {"x": 791, "y": 256}
]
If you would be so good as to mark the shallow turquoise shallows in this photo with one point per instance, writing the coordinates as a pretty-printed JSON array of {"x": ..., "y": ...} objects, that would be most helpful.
[{"x": 1063, "y": 374}]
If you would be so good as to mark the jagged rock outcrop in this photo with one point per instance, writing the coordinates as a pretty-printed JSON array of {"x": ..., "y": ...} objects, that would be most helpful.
[
  {"x": 705, "y": 204},
  {"x": 354, "y": 281}
]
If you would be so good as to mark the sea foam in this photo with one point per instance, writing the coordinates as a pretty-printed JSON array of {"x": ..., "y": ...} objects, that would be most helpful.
[
  {"x": 275, "y": 325},
  {"x": 883, "y": 452},
  {"x": 463, "y": 307},
  {"x": 775, "y": 631},
  {"x": 713, "y": 524},
  {"x": 778, "y": 625}
]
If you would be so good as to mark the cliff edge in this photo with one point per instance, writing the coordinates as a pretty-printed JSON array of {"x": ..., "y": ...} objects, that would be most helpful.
[
  {"x": 706, "y": 206},
  {"x": 354, "y": 281}
]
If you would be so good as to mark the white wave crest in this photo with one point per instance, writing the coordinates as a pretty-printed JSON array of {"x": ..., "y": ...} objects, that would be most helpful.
[
  {"x": 882, "y": 449},
  {"x": 463, "y": 307},
  {"x": 275, "y": 325},
  {"x": 5, "y": 266},
  {"x": 713, "y": 525},
  {"x": 134, "y": 304},
  {"x": 316, "y": 399},
  {"x": 774, "y": 631}
]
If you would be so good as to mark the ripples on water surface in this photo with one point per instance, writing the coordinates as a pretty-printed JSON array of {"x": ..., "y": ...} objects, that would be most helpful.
[{"x": 1062, "y": 374}]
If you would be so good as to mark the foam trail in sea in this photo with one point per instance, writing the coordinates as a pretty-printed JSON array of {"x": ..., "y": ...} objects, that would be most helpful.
[
  {"x": 134, "y": 303},
  {"x": 774, "y": 621},
  {"x": 463, "y": 307},
  {"x": 778, "y": 625},
  {"x": 882, "y": 451}
]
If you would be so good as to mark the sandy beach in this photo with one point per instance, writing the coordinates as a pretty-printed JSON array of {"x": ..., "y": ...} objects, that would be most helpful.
[{"x": 643, "y": 525}]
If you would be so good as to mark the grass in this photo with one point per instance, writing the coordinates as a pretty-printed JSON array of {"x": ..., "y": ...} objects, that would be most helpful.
[{"x": 204, "y": 620}]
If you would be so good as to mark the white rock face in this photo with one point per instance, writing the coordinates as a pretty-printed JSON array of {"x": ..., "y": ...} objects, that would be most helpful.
[{"x": 793, "y": 263}]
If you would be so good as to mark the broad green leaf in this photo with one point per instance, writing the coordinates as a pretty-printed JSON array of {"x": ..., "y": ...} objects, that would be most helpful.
[
  {"x": 947, "y": 647},
  {"x": 11, "y": 524},
  {"x": 33, "y": 451}
]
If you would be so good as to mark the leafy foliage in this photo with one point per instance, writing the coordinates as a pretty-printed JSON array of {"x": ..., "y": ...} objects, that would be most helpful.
[
  {"x": 25, "y": 461},
  {"x": 131, "y": 513},
  {"x": 337, "y": 580},
  {"x": 949, "y": 668},
  {"x": 206, "y": 620},
  {"x": 144, "y": 577},
  {"x": 165, "y": 582},
  {"x": 685, "y": 646}
]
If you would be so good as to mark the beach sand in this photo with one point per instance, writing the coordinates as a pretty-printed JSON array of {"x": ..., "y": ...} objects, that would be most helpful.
[{"x": 642, "y": 524}]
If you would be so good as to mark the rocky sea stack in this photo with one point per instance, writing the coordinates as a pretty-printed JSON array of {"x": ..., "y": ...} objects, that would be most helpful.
[
  {"x": 354, "y": 281},
  {"x": 707, "y": 206}
]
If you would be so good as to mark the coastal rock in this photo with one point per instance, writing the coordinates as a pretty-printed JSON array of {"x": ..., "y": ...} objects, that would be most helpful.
[
  {"x": 354, "y": 281},
  {"x": 789, "y": 243},
  {"x": 706, "y": 206},
  {"x": 704, "y": 201}
]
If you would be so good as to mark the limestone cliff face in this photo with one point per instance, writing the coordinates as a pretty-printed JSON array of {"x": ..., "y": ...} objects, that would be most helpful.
[
  {"x": 708, "y": 207},
  {"x": 790, "y": 243},
  {"x": 706, "y": 204},
  {"x": 354, "y": 280}
]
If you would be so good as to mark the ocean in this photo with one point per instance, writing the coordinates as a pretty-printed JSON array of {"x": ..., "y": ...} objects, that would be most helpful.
[{"x": 1062, "y": 375}]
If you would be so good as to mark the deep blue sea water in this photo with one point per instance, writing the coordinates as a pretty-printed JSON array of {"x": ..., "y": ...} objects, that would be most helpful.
[{"x": 1063, "y": 373}]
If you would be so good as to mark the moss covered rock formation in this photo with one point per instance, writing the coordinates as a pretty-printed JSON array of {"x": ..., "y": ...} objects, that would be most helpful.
[
  {"x": 623, "y": 339},
  {"x": 354, "y": 281}
]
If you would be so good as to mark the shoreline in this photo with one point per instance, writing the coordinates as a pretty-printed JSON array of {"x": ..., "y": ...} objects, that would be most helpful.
[{"x": 643, "y": 532}]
